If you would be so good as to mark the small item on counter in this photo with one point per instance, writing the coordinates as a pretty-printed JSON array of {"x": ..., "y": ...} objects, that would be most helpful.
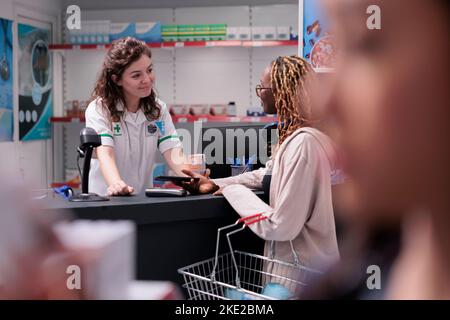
[{"x": 165, "y": 192}]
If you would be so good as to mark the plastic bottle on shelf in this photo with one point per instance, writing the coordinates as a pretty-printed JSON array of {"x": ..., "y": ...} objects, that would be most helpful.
[{"x": 231, "y": 109}]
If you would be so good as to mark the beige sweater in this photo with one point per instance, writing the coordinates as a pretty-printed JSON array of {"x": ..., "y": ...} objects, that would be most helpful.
[{"x": 300, "y": 208}]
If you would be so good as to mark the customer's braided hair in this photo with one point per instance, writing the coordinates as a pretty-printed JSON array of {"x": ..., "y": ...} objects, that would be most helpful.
[{"x": 289, "y": 77}]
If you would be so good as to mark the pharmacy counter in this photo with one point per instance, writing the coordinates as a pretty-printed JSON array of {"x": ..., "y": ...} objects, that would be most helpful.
[{"x": 172, "y": 232}]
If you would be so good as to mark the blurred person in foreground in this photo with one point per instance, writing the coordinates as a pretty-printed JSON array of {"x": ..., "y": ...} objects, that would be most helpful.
[
  {"x": 390, "y": 107},
  {"x": 33, "y": 262}
]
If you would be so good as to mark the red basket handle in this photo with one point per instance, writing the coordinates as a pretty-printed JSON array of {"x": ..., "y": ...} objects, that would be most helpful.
[{"x": 258, "y": 216}]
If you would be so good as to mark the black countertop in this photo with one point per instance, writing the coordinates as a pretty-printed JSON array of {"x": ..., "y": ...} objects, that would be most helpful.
[{"x": 143, "y": 209}]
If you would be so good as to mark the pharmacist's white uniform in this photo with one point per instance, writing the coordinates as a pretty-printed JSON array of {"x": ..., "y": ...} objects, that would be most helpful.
[{"x": 135, "y": 141}]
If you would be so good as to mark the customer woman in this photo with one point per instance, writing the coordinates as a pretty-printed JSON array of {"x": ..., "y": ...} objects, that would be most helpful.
[
  {"x": 132, "y": 122},
  {"x": 300, "y": 219}
]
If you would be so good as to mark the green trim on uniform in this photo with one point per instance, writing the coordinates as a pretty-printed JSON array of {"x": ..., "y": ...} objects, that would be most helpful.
[
  {"x": 174, "y": 136},
  {"x": 106, "y": 135}
]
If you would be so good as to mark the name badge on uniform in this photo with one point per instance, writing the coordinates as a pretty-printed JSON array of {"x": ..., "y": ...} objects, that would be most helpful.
[
  {"x": 117, "y": 129},
  {"x": 162, "y": 129},
  {"x": 150, "y": 130}
]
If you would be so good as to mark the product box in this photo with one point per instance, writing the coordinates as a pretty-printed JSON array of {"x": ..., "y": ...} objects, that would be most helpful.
[
  {"x": 218, "y": 109},
  {"x": 94, "y": 28},
  {"x": 256, "y": 111},
  {"x": 199, "y": 109},
  {"x": 257, "y": 33},
  {"x": 177, "y": 109},
  {"x": 185, "y": 32},
  {"x": 169, "y": 32},
  {"x": 217, "y": 32},
  {"x": 103, "y": 27},
  {"x": 122, "y": 29},
  {"x": 244, "y": 33},
  {"x": 269, "y": 33},
  {"x": 85, "y": 32},
  {"x": 201, "y": 32},
  {"x": 283, "y": 33},
  {"x": 294, "y": 34},
  {"x": 232, "y": 33},
  {"x": 78, "y": 36},
  {"x": 148, "y": 31},
  {"x": 71, "y": 36}
]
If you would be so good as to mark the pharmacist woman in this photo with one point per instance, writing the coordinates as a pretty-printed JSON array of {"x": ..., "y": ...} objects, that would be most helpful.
[{"x": 132, "y": 122}]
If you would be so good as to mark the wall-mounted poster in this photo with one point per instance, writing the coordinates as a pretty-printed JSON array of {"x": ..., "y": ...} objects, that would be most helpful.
[
  {"x": 35, "y": 83},
  {"x": 6, "y": 81},
  {"x": 318, "y": 44}
]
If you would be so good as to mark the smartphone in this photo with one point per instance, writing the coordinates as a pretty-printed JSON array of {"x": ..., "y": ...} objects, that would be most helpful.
[{"x": 175, "y": 179}]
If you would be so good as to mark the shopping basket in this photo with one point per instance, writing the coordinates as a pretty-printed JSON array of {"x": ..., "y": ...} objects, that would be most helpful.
[{"x": 238, "y": 275}]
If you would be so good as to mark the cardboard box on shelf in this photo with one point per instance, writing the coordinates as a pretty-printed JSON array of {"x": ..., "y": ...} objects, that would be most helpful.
[
  {"x": 199, "y": 109},
  {"x": 176, "y": 109},
  {"x": 122, "y": 29},
  {"x": 232, "y": 33},
  {"x": 169, "y": 32},
  {"x": 269, "y": 33},
  {"x": 283, "y": 33},
  {"x": 218, "y": 109},
  {"x": 244, "y": 33},
  {"x": 148, "y": 31},
  {"x": 103, "y": 31},
  {"x": 185, "y": 32},
  {"x": 201, "y": 32},
  {"x": 257, "y": 33},
  {"x": 217, "y": 31}
]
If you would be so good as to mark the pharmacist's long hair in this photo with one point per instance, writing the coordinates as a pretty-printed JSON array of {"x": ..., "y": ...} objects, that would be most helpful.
[
  {"x": 120, "y": 55},
  {"x": 291, "y": 78}
]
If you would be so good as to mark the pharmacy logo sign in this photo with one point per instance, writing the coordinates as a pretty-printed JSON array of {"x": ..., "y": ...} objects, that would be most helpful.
[{"x": 117, "y": 129}]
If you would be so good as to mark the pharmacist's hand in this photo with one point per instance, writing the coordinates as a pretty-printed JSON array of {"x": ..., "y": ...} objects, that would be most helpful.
[
  {"x": 119, "y": 188},
  {"x": 201, "y": 186}
]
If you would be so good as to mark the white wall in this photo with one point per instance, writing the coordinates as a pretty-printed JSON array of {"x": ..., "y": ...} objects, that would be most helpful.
[
  {"x": 193, "y": 75},
  {"x": 30, "y": 161}
]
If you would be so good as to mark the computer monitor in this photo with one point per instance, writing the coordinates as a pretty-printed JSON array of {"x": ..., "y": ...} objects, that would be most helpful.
[{"x": 223, "y": 144}]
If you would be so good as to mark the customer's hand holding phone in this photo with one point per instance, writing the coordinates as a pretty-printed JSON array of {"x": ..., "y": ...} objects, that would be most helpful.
[{"x": 201, "y": 184}]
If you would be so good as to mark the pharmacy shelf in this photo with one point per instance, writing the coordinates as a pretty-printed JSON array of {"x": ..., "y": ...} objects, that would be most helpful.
[
  {"x": 186, "y": 44},
  {"x": 186, "y": 118}
]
